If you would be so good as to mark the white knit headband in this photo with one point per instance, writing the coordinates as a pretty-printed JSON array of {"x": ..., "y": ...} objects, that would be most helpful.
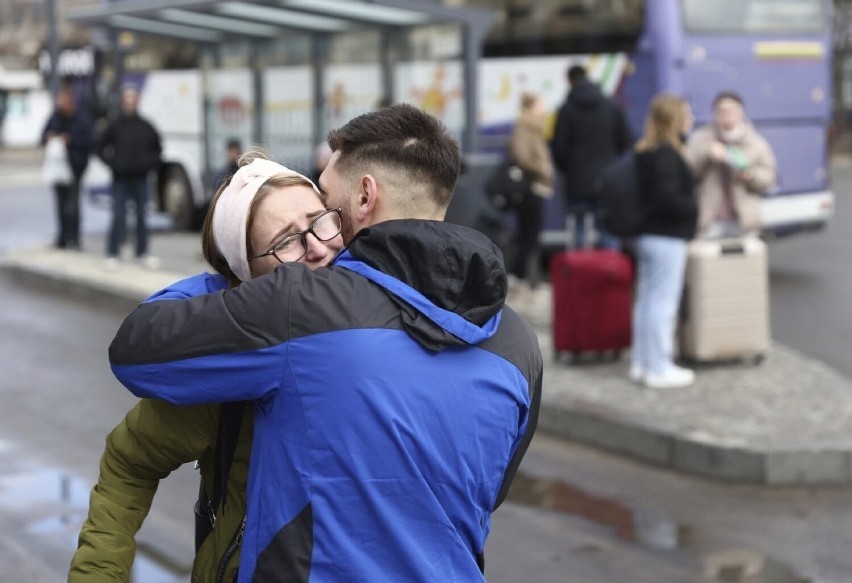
[{"x": 230, "y": 217}]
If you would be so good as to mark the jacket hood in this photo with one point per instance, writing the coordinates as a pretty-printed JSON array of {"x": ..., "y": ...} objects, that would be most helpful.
[
  {"x": 585, "y": 95},
  {"x": 449, "y": 281}
]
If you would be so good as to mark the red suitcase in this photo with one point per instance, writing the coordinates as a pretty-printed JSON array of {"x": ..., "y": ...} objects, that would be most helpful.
[{"x": 592, "y": 301}]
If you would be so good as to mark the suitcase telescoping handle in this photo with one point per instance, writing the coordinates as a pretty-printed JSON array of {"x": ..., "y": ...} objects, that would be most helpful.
[{"x": 591, "y": 233}]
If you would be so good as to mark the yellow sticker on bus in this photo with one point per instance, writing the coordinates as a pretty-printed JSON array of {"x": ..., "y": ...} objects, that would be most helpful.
[{"x": 789, "y": 50}]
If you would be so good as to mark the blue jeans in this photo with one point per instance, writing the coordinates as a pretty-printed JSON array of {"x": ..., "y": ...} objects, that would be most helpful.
[
  {"x": 661, "y": 262},
  {"x": 135, "y": 190},
  {"x": 578, "y": 212}
]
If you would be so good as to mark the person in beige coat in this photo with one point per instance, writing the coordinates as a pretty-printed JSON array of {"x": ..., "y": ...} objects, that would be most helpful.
[
  {"x": 529, "y": 151},
  {"x": 733, "y": 166}
]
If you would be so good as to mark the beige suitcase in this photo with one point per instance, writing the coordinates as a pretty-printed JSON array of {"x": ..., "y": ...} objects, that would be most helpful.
[{"x": 725, "y": 309}]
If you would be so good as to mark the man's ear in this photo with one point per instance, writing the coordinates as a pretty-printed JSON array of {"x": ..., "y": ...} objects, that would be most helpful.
[{"x": 367, "y": 198}]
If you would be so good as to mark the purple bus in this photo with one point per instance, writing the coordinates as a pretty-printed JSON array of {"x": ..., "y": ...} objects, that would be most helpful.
[{"x": 775, "y": 53}]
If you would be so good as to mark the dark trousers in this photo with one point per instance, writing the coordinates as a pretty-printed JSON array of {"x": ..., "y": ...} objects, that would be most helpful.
[
  {"x": 529, "y": 214},
  {"x": 578, "y": 213},
  {"x": 68, "y": 214},
  {"x": 133, "y": 189}
]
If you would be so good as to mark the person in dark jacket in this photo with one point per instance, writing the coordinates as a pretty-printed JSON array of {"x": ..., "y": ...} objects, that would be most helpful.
[
  {"x": 74, "y": 127},
  {"x": 157, "y": 437},
  {"x": 233, "y": 151},
  {"x": 591, "y": 131},
  {"x": 670, "y": 221},
  {"x": 130, "y": 146},
  {"x": 395, "y": 393}
]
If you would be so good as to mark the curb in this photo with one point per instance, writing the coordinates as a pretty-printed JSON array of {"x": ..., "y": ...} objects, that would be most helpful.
[
  {"x": 129, "y": 283},
  {"x": 810, "y": 458},
  {"x": 681, "y": 454},
  {"x": 44, "y": 279},
  {"x": 576, "y": 414}
]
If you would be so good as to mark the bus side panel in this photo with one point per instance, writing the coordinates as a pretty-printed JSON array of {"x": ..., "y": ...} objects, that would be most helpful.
[
  {"x": 638, "y": 90},
  {"x": 231, "y": 112},
  {"x": 761, "y": 71},
  {"x": 171, "y": 101},
  {"x": 801, "y": 155}
]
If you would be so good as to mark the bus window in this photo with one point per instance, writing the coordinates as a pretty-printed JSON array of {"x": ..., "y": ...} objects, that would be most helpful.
[
  {"x": 753, "y": 16},
  {"x": 555, "y": 27}
]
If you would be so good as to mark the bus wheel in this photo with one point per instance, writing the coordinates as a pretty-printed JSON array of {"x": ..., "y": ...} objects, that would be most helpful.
[{"x": 177, "y": 199}]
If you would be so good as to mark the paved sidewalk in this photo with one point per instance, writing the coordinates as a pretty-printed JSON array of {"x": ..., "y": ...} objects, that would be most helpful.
[{"x": 785, "y": 421}]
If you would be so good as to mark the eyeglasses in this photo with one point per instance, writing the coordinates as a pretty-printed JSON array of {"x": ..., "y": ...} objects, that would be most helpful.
[{"x": 294, "y": 246}]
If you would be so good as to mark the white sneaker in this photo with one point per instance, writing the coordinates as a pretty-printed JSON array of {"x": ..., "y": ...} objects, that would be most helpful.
[
  {"x": 111, "y": 263},
  {"x": 684, "y": 370},
  {"x": 674, "y": 378},
  {"x": 637, "y": 373},
  {"x": 149, "y": 261}
]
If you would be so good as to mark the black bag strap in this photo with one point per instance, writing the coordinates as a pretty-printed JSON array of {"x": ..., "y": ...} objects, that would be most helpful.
[
  {"x": 230, "y": 421},
  {"x": 227, "y": 436}
]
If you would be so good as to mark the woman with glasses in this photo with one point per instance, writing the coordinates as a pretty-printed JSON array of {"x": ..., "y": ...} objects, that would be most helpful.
[{"x": 264, "y": 215}]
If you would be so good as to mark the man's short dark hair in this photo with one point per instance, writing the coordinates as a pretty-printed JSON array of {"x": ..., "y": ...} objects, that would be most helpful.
[
  {"x": 404, "y": 140},
  {"x": 732, "y": 95},
  {"x": 234, "y": 144},
  {"x": 577, "y": 74}
]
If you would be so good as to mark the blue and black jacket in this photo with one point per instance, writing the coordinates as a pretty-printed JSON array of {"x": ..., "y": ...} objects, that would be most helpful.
[{"x": 394, "y": 393}]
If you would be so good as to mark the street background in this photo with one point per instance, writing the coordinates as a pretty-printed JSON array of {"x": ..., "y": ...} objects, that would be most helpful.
[{"x": 575, "y": 513}]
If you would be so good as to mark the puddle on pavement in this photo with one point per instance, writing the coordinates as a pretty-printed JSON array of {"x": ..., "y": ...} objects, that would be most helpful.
[
  {"x": 55, "y": 505},
  {"x": 714, "y": 560}
]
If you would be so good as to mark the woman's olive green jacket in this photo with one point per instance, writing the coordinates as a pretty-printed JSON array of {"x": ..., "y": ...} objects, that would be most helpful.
[{"x": 154, "y": 439}]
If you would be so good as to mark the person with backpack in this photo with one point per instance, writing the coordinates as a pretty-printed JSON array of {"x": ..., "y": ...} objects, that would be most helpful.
[
  {"x": 669, "y": 222},
  {"x": 528, "y": 149},
  {"x": 591, "y": 131},
  {"x": 262, "y": 217}
]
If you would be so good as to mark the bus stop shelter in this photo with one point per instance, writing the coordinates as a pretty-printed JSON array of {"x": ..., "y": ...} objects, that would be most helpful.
[{"x": 211, "y": 23}]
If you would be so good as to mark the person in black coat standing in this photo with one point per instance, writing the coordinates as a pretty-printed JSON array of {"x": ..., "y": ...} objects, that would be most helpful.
[
  {"x": 670, "y": 214},
  {"x": 130, "y": 146},
  {"x": 76, "y": 129},
  {"x": 591, "y": 131}
]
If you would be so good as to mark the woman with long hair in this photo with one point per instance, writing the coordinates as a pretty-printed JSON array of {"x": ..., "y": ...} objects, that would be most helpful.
[{"x": 669, "y": 222}]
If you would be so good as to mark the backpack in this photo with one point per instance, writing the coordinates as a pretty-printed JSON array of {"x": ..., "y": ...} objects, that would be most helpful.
[
  {"x": 507, "y": 186},
  {"x": 619, "y": 198}
]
